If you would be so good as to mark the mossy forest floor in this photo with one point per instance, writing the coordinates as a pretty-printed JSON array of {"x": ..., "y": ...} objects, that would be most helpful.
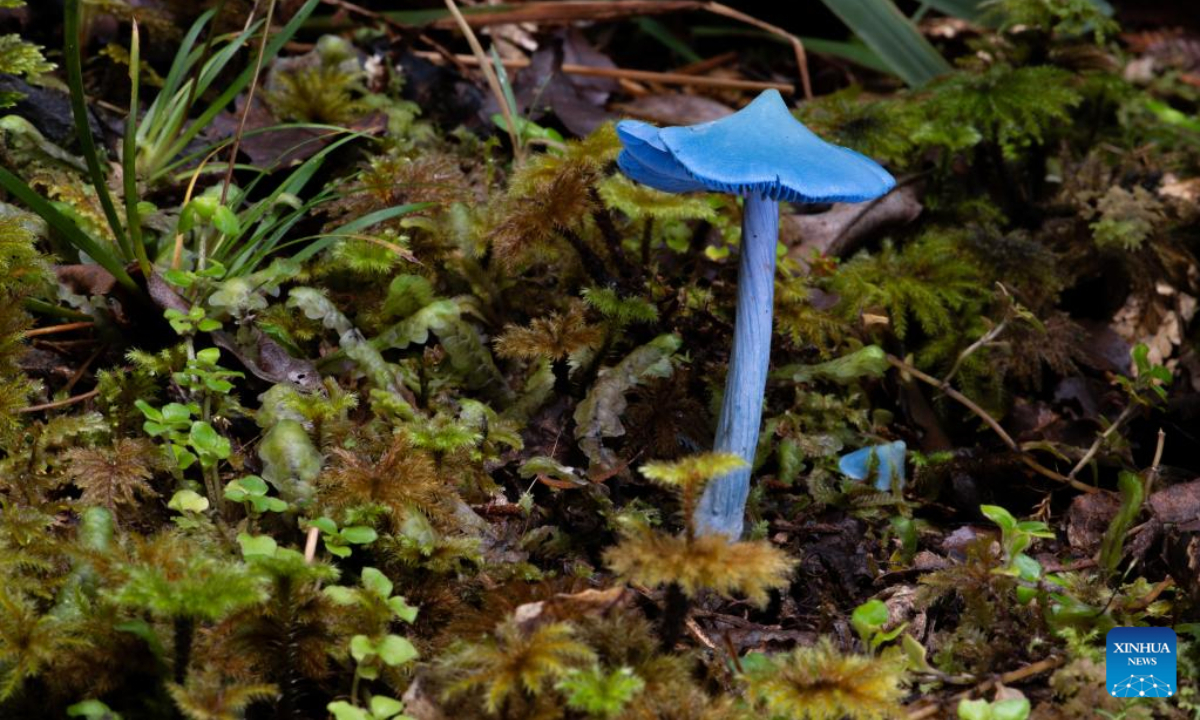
[{"x": 341, "y": 378}]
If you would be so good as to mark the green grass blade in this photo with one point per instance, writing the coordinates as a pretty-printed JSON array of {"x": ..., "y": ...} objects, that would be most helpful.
[
  {"x": 41, "y": 307},
  {"x": 893, "y": 37},
  {"x": 357, "y": 225},
  {"x": 273, "y": 47},
  {"x": 133, "y": 219},
  {"x": 73, "y": 60},
  {"x": 963, "y": 9},
  {"x": 182, "y": 62},
  {"x": 70, "y": 232},
  {"x": 855, "y": 52}
]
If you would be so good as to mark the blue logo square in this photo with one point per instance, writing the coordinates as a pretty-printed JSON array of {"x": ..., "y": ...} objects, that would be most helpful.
[{"x": 1140, "y": 662}]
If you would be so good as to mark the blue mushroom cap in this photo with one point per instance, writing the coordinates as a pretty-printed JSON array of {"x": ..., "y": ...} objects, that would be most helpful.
[
  {"x": 885, "y": 462},
  {"x": 759, "y": 149}
]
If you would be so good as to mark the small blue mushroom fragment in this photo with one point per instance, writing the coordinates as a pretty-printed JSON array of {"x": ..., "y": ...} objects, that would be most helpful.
[
  {"x": 765, "y": 155},
  {"x": 885, "y": 462}
]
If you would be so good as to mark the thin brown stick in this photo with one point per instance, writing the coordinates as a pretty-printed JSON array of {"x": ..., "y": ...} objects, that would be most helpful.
[
  {"x": 83, "y": 369},
  {"x": 558, "y": 12},
  {"x": 55, "y": 329},
  {"x": 1007, "y": 678},
  {"x": 241, "y": 127},
  {"x": 1125, "y": 415},
  {"x": 1144, "y": 602},
  {"x": 1152, "y": 473},
  {"x": 61, "y": 403},
  {"x": 489, "y": 73},
  {"x": 567, "y": 12},
  {"x": 707, "y": 64},
  {"x": 988, "y": 420},
  {"x": 797, "y": 46},
  {"x": 956, "y": 395},
  {"x": 665, "y": 78}
]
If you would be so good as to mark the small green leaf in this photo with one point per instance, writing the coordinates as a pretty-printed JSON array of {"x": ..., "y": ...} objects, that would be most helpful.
[
  {"x": 206, "y": 440},
  {"x": 1000, "y": 516},
  {"x": 341, "y": 551},
  {"x": 868, "y": 618},
  {"x": 325, "y": 525},
  {"x": 376, "y": 582},
  {"x": 395, "y": 650},
  {"x": 402, "y": 609},
  {"x": 359, "y": 535},
  {"x": 260, "y": 545},
  {"x": 361, "y": 648},
  {"x": 188, "y": 501},
  {"x": 383, "y": 707},
  {"x": 343, "y": 710},
  {"x": 974, "y": 710},
  {"x": 92, "y": 710},
  {"x": 225, "y": 221},
  {"x": 1011, "y": 709},
  {"x": 176, "y": 414},
  {"x": 209, "y": 356},
  {"x": 149, "y": 411},
  {"x": 342, "y": 595},
  {"x": 253, "y": 485}
]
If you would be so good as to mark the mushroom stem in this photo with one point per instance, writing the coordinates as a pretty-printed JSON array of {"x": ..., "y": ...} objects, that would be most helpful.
[{"x": 722, "y": 507}]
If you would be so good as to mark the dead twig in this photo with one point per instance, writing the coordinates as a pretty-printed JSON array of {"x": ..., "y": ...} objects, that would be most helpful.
[
  {"x": 988, "y": 420},
  {"x": 1124, "y": 417},
  {"x": 83, "y": 369},
  {"x": 574, "y": 11},
  {"x": 797, "y": 46},
  {"x": 665, "y": 78},
  {"x": 61, "y": 403},
  {"x": 55, "y": 329},
  {"x": 241, "y": 127},
  {"x": 489, "y": 73},
  {"x": 1007, "y": 678}
]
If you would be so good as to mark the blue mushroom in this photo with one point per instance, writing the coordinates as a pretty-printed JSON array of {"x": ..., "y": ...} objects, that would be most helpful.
[
  {"x": 765, "y": 155},
  {"x": 885, "y": 462}
]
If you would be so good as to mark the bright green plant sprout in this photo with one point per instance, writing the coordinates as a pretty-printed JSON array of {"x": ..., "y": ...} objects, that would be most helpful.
[
  {"x": 1015, "y": 537},
  {"x": 868, "y": 621},
  {"x": 1151, "y": 383},
  {"x": 379, "y": 708},
  {"x": 191, "y": 322},
  {"x": 338, "y": 540},
  {"x": 173, "y": 422},
  {"x": 93, "y": 710},
  {"x": 251, "y": 492},
  {"x": 1011, "y": 709},
  {"x": 372, "y": 653}
]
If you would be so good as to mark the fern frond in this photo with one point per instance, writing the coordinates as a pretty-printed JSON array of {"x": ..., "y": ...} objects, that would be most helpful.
[{"x": 116, "y": 475}]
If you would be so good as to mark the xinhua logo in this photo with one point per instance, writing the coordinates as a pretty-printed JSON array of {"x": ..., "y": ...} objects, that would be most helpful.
[{"x": 1140, "y": 662}]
